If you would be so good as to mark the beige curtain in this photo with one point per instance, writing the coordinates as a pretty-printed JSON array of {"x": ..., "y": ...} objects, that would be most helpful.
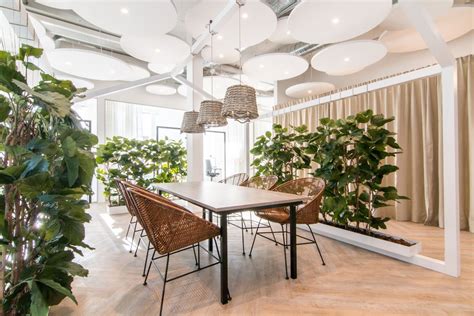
[{"x": 416, "y": 106}]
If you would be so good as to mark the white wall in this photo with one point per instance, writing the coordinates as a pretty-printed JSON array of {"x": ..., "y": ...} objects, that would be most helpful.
[{"x": 389, "y": 65}]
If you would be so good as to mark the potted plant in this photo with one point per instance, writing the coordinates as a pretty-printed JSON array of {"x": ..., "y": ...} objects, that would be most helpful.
[
  {"x": 281, "y": 153},
  {"x": 142, "y": 161},
  {"x": 46, "y": 168},
  {"x": 351, "y": 155}
]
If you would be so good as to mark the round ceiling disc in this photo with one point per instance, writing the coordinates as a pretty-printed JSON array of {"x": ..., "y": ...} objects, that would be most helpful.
[
  {"x": 58, "y": 4},
  {"x": 88, "y": 64},
  {"x": 349, "y": 56},
  {"x": 137, "y": 73},
  {"x": 274, "y": 67},
  {"x": 282, "y": 34},
  {"x": 306, "y": 89},
  {"x": 457, "y": 22},
  {"x": 183, "y": 90},
  {"x": 160, "y": 89},
  {"x": 323, "y": 21},
  {"x": 397, "y": 19},
  {"x": 77, "y": 82},
  {"x": 164, "y": 49},
  {"x": 258, "y": 22},
  {"x": 129, "y": 17},
  {"x": 222, "y": 54},
  {"x": 161, "y": 68}
]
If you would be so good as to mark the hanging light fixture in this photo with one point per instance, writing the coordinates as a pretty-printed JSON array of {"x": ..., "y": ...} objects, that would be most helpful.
[
  {"x": 240, "y": 102},
  {"x": 210, "y": 113}
]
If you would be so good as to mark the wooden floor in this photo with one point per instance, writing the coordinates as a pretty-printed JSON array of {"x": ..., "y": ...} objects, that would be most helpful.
[{"x": 353, "y": 282}]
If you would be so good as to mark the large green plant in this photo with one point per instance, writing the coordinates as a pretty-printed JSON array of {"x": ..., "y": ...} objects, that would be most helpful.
[
  {"x": 46, "y": 168},
  {"x": 142, "y": 161},
  {"x": 352, "y": 157},
  {"x": 282, "y": 153}
]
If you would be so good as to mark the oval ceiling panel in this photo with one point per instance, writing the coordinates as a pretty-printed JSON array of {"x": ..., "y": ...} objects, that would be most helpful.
[
  {"x": 275, "y": 66},
  {"x": 348, "y": 57},
  {"x": 160, "y": 89},
  {"x": 161, "y": 68},
  {"x": 258, "y": 22},
  {"x": 128, "y": 16},
  {"x": 282, "y": 34},
  {"x": 164, "y": 49},
  {"x": 457, "y": 22},
  {"x": 222, "y": 54},
  {"x": 306, "y": 89},
  {"x": 88, "y": 64},
  {"x": 323, "y": 21},
  {"x": 397, "y": 19},
  {"x": 58, "y": 4},
  {"x": 137, "y": 73}
]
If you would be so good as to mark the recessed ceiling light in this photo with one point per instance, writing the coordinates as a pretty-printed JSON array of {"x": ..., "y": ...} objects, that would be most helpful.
[
  {"x": 245, "y": 15},
  {"x": 68, "y": 63},
  {"x": 288, "y": 32},
  {"x": 124, "y": 10},
  {"x": 221, "y": 55},
  {"x": 347, "y": 59},
  {"x": 261, "y": 66},
  {"x": 310, "y": 91},
  {"x": 335, "y": 21},
  {"x": 287, "y": 72},
  {"x": 157, "y": 50},
  {"x": 220, "y": 37}
]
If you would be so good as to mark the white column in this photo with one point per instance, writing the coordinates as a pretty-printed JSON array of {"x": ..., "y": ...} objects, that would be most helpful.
[
  {"x": 195, "y": 141},
  {"x": 101, "y": 121}
]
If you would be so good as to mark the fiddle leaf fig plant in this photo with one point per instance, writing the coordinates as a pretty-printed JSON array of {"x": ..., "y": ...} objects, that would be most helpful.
[
  {"x": 141, "y": 161},
  {"x": 351, "y": 155},
  {"x": 281, "y": 153},
  {"x": 46, "y": 168}
]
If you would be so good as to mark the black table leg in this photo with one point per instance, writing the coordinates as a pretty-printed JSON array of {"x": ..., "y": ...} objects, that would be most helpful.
[
  {"x": 160, "y": 193},
  {"x": 224, "y": 279},
  {"x": 210, "y": 239},
  {"x": 293, "y": 261}
]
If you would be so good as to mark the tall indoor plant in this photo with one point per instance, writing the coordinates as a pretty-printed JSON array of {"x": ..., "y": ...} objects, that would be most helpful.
[
  {"x": 46, "y": 168},
  {"x": 281, "y": 153},
  {"x": 141, "y": 161}
]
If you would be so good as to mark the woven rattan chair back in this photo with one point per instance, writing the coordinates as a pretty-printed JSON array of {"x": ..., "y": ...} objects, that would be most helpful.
[
  {"x": 235, "y": 179},
  {"x": 167, "y": 226},
  {"x": 261, "y": 182},
  {"x": 312, "y": 187},
  {"x": 122, "y": 188}
]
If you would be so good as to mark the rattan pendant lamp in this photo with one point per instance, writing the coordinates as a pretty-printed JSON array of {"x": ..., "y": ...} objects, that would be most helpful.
[
  {"x": 240, "y": 102},
  {"x": 210, "y": 113},
  {"x": 190, "y": 124}
]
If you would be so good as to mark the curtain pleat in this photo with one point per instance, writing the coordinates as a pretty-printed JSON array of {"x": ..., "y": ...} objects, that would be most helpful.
[{"x": 417, "y": 108}]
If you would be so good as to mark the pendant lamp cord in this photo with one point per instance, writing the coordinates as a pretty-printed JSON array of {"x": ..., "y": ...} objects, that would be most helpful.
[
  {"x": 240, "y": 44},
  {"x": 212, "y": 60}
]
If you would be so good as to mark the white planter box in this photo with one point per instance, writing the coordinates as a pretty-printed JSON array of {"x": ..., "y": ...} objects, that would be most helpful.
[
  {"x": 381, "y": 246},
  {"x": 115, "y": 210}
]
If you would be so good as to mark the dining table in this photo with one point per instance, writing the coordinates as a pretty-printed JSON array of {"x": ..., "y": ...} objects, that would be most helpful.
[{"x": 224, "y": 199}]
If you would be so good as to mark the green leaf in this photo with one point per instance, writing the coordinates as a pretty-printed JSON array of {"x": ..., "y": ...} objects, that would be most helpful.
[
  {"x": 72, "y": 165},
  {"x": 35, "y": 185},
  {"x": 38, "y": 306},
  {"x": 69, "y": 147},
  {"x": 58, "y": 288},
  {"x": 4, "y": 108}
]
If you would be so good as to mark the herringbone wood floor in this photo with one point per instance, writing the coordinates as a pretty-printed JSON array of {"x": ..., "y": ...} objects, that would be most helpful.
[{"x": 353, "y": 282}]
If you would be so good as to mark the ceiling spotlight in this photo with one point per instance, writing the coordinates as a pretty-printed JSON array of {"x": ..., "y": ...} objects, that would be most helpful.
[
  {"x": 261, "y": 66},
  {"x": 221, "y": 55},
  {"x": 288, "y": 32},
  {"x": 287, "y": 72},
  {"x": 124, "y": 10},
  {"x": 347, "y": 59},
  {"x": 68, "y": 63},
  {"x": 310, "y": 91},
  {"x": 157, "y": 50},
  {"x": 335, "y": 21},
  {"x": 220, "y": 37},
  {"x": 245, "y": 15}
]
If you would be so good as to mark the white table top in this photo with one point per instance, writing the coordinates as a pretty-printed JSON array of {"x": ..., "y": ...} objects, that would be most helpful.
[{"x": 220, "y": 197}]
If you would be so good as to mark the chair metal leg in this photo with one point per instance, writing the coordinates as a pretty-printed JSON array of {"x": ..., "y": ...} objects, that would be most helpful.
[
  {"x": 317, "y": 246},
  {"x": 195, "y": 257},
  {"x": 133, "y": 237},
  {"x": 129, "y": 225},
  {"x": 271, "y": 229},
  {"x": 199, "y": 256},
  {"x": 255, "y": 237},
  {"x": 251, "y": 224},
  {"x": 242, "y": 233},
  {"x": 284, "y": 251},
  {"x": 149, "y": 267},
  {"x": 243, "y": 224},
  {"x": 164, "y": 283},
  {"x": 139, "y": 240},
  {"x": 217, "y": 248},
  {"x": 146, "y": 257}
]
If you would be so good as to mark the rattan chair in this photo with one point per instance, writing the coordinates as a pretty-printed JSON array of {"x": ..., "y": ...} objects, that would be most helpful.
[
  {"x": 307, "y": 213},
  {"x": 133, "y": 217},
  {"x": 235, "y": 179},
  {"x": 257, "y": 182},
  {"x": 171, "y": 229}
]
